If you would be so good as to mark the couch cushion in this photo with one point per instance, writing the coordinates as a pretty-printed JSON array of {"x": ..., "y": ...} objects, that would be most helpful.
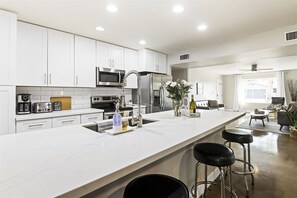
[
  {"x": 213, "y": 103},
  {"x": 203, "y": 103}
]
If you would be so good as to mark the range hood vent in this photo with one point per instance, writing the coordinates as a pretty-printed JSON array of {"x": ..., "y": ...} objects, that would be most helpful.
[
  {"x": 291, "y": 36},
  {"x": 184, "y": 57}
]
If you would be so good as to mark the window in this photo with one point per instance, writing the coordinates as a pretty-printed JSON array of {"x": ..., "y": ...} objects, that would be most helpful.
[{"x": 259, "y": 90}]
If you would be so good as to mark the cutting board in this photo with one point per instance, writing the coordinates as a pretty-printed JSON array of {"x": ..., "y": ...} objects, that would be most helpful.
[{"x": 65, "y": 100}]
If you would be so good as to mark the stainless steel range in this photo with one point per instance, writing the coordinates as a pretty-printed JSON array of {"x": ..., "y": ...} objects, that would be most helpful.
[{"x": 107, "y": 103}]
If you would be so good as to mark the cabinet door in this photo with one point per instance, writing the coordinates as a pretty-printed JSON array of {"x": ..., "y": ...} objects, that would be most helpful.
[
  {"x": 33, "y": 125},
  {"x": 160, "y": 63},
  {"x": 150, "y": 61},
  {"x": 66, "y": 121},
  {"x": 103, "y": 58},
  {"x": 60, "y": 58},
  {"x": 91, "y": 118},
  {"x": 7, "y": 113},
  {"x": 117, "y": 57},
  {"x": 7, "y": 47},
  {"x": 130, "y": 63},
  {"x": 85, "y": 62},
  {"x": 31, "y": 55}
]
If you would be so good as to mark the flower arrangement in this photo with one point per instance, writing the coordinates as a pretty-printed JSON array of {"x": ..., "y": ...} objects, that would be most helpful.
[{"x": 177, "y": 89}]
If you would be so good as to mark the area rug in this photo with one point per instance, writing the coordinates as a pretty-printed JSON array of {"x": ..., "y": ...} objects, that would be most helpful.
[{"x": 256, "y": 125}]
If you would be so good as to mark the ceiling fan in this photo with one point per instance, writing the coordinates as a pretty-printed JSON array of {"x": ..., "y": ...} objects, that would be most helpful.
[{"x": 254, "y": 67}]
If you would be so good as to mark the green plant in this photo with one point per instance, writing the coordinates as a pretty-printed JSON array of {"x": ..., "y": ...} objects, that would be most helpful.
[
  {"x": 177, "y": 89},
  {"x": 292, "y": 117}
]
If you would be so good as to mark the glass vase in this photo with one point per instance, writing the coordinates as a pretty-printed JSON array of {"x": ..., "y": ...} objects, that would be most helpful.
[{"x": 177, "y": 105}]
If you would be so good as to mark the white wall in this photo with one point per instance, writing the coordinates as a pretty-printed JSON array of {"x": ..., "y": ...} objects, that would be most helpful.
[
  {"x": 265, "y": 40},
  {"x": 228, "y": 91},
  {"x": 80, "y": 97},
  {"x": 209, "y": 82}
]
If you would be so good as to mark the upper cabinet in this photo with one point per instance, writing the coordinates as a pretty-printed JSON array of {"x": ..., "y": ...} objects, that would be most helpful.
[
  {"x": 8, "y": 25},
  {"x": 110, "y": 56},
  {"x": 152, "y": 61},
  {"x": 60, "y": 58},
  {"x": 31, "y": 55},
  {"x": 85, "y": 62},
  {"x": 130, "y": 63}
]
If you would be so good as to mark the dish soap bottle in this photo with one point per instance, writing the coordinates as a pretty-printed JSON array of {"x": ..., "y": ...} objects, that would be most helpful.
[
  {"x": 117, "y": 120},
  {"x": 192, "y": 105}
]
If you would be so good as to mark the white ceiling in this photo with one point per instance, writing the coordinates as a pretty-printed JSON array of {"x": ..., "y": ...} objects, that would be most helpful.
[{"x": 154, "y": 21}]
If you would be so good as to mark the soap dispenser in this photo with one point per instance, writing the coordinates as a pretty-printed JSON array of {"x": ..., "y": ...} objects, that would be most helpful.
[{"x": 117, "y": 119}]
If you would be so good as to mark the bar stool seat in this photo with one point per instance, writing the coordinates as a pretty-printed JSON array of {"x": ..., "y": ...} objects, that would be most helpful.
[
  {"x": 213, "y": 154},
  {"x": 242, "y": 137},
  {"x": 156, "y": 186}
]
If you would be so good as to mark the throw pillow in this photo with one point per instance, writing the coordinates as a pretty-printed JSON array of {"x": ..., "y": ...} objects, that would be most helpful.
[{"x": 213, "y": 104}]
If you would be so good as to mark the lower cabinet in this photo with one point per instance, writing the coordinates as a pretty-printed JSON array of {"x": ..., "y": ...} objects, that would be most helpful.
[
  {"x": 142, "y": 111},
  {"x": 33, "y": 125},
  {"x": 66, "y": 121},
  {"x": 91, "y": 118},
  {"x": 46, "y": 123}
]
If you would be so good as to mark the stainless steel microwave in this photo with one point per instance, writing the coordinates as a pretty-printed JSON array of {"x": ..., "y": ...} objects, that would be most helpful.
[{"x": 109, "y": 77}]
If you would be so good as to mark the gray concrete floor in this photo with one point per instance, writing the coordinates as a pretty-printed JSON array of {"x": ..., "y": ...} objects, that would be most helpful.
[{"x": 274, "y": 157}]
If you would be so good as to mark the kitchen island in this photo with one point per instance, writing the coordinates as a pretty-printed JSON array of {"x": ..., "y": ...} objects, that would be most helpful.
[{"x": 74, "y": 161}]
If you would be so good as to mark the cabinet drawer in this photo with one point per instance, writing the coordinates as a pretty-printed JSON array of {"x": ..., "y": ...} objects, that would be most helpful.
[
  {"x": 66, "y": 121},
  {"x": 91, "y": 117},
  {"x": 33, "y": 125}
]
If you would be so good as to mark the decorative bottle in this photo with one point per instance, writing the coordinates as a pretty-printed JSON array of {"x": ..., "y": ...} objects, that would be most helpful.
[
  {"x": 117, "y": 119},
  {"x": 192, "y": 105}
]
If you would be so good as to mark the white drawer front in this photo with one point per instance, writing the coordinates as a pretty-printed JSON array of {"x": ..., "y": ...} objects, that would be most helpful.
[
  {"x": 91, "y": 117},
  {"x": 66, "y": 121},
  {"x": 33, "y": 125}
]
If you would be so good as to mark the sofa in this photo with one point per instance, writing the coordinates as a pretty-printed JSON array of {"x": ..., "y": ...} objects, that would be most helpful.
[
  {"x": 276, "y": 103},
  {"x": 282, "y": 117},
  {"x": 208, "y": 104}
]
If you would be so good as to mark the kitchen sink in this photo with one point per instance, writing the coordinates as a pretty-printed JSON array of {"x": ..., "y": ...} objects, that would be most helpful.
[{"x": 101, "y": 127}]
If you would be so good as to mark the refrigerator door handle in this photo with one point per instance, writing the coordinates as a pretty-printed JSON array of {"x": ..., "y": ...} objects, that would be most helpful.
[{"x": 161, "y": 98}]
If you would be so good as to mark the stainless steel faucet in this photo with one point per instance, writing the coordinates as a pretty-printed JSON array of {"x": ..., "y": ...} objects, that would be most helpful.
[{"x": 136, "y": 120}]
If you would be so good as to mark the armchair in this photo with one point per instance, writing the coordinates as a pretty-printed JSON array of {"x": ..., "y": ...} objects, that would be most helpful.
[
  {"x": 276, "y": 103},
  {"x": 282, "y": 117}
]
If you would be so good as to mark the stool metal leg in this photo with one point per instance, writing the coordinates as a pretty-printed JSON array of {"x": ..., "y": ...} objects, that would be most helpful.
[
  {"x": 222, "y": 182},
  {"x": 205, "y": 179},
  {"x": 196, "y": 178},
  {"x": 249, "y": 162}
]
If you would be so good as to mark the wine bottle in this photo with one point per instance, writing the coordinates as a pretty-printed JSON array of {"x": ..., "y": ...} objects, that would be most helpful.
[{"x": 192, "y": 105}]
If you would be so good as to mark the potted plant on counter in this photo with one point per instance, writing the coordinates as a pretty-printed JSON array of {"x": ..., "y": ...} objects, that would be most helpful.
[{"x": 293, "y": 120}]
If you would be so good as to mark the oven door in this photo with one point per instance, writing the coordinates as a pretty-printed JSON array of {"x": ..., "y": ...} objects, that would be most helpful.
[{"x": 109, "y": 77}]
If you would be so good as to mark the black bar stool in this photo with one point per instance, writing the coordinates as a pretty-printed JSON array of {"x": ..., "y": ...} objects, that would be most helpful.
[
  {"x": 213, "y": 154},
  {"x": 242, "y": 137},
  {"x": 156, "y": 186}
]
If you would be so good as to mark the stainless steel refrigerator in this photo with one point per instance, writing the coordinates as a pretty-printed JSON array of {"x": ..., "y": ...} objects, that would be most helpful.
[{"x": 153, "y": 94}]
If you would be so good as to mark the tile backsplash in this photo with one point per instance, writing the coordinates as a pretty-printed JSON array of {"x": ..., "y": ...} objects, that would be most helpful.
[{"x": 80, "y": 97}]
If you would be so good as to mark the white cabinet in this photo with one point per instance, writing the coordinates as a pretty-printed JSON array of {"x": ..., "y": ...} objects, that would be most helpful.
[
  {"x": 60, "y": 58},
  {"x": 152, "y": 61},
  {"x": 66, "y": 121},
  {"x": 85, "y": 62},
  {"x": 91, "y": 118},
  {"x": 130, "y": 63},
  {"x": 7, "y": 112},
  {"x": 109, "y": 56},
  {"x": 31, "y": 55},
  {"x": 33, "y": 125},
  {"x": 8, "y": 27}
]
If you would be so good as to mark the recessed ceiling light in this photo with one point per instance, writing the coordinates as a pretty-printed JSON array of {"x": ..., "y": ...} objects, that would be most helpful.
[
  {"x": 202, "y": 27},
  {"x": 142, "y": 42},
  {"x": 99, "y": 28},
  {"x": 178, "y": 9},
  {"x": 111, "y": 8}
]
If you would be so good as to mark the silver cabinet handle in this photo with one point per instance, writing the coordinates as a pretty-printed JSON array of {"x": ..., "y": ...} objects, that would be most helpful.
[
  {"x": 76, "y": 80},
  {"x": 67, "y": 121},
  {"x": 44, "y": 76},
  {"x": 50, "y": 78},
  {"x": 109, "y": 62},
  {"x": 35, "y": 125},
  {"x": 112, "y": 63}
]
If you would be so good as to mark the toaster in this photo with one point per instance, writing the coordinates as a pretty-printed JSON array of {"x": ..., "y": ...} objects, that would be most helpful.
[{"x": 42, "y": 107}]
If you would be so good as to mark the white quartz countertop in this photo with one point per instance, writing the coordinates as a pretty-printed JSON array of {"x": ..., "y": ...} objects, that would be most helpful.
[
  {"x": 53, "y": 114},
  {"x": 72, "y": 161}
]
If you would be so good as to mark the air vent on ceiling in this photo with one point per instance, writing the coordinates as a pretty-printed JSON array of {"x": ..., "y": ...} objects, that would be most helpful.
[
  {"x": 184, "y": 56},
  {"x": 291, "y": 36}
]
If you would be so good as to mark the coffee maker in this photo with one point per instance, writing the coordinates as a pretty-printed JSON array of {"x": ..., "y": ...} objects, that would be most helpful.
[{"x": 23, "y": 105}]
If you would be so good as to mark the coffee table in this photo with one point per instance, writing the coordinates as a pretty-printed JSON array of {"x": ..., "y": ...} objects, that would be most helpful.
[{"x": 260, "y": 116}]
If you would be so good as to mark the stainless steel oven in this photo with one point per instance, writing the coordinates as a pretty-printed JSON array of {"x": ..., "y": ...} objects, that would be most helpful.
[
  {"x": 107, "y": 103},
  {"x": 109, "y": 77}
]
